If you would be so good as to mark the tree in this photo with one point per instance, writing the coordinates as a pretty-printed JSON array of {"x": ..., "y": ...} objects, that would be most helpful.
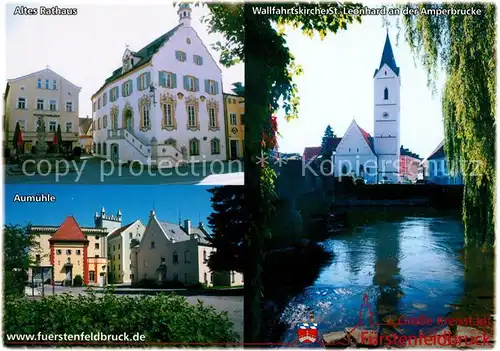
[
  {"x": 19, "y": 242},
  {"x": 59, "y": 139},
  {"x": 16, "y": 137},
  {"x": 465, "y": 47},
  {"x": 228, "y": 223},
  {"x": 78, "y": 281},
  {"x": 327, "y": 142},
  {"x": 238, "y": 89},
  {"x": 269, "y": 86}
]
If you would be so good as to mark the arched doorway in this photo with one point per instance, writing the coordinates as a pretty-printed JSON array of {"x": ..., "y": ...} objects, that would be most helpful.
[
  {"x": 128, "y": 120},
  {"x": 115, "y": 155}
]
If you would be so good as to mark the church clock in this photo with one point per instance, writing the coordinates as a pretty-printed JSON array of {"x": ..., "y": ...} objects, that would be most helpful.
[{"x": 385, "y": 115}]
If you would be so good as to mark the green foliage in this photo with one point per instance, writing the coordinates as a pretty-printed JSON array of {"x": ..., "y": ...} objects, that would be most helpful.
[
  {"x": 161, "y": 318},
  {"x": 239, "y": 89},
  {"x": 326, "y": 143},
  {"x": 228, "y": 223},
  {"x": 59, "y": 139},
  {"x": 17, "y": 245},
  {"x": 78, "y": 281},
  {"x": 228, "y": 20},
  {"x": 16, "y": 136},
  {"x": 269, "y": 86},
  {"x": 465, "y": 47}
]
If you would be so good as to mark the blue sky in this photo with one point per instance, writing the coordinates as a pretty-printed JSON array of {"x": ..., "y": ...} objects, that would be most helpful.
[
  {"x": 88, "y": 47},
  {"x": 82, "y": 202},
  {"x": 337, "y": 86}
]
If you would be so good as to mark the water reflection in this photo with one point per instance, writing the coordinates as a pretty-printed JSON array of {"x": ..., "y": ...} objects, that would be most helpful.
[
  {"x": 387, "y": 278},
  {"x": 408, "y": 264}
]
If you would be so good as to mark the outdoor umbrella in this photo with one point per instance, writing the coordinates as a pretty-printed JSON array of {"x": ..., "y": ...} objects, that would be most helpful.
[
  {"x": 57, "y": 138},
  {"x": 18, "y": 137}
]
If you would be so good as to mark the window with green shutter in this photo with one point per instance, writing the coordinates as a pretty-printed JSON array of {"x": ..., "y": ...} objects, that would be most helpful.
[
  {"x": 180, "y": 55},
  {"x": 167, "y": 79},
  {"x": 211, "y": 87},
  {"x": 139, "y": 85},
  {"x": 198, "y": 60},
  {"x": 161, "y": 78},
  {"x": 191, "y": 83},
  {"x": 144, "y": 80}
]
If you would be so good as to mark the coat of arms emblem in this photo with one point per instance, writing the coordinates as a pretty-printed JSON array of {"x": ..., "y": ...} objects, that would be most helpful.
[{"x": 307, "y": 332}]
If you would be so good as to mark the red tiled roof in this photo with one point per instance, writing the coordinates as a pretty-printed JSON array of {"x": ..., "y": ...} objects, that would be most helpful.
[
  {"x": 367, "y": 137},
  {"x": 120, "y": 230},
  {"x": 69, "y": 231},
  {"x": 311, "y": 152}
]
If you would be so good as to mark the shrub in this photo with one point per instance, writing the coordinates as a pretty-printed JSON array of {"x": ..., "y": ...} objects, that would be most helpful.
[
  {"x": 160, "y": 318},
  {"x": 77, "y": 151},
  {"x": 78, "y": 281}
]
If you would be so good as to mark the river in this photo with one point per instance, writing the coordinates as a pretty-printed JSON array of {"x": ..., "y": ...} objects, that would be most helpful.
[{"x": 410, "y": 264}]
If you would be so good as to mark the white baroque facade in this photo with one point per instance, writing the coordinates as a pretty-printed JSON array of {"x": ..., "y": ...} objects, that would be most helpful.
[{"x": 164, "y": 106}]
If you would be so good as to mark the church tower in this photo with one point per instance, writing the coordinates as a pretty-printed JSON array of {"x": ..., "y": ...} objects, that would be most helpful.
[{"x": 386, "y": 109}]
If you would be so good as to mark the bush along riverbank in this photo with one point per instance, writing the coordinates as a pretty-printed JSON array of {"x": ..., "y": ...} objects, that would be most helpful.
[
  {"x": 160, "y": 318},
  {"x": 286, "y": 273},
  {"x": 294, "y": 259}
]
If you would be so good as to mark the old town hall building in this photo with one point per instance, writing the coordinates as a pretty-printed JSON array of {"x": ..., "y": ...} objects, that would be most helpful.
[{"x": 164, "y": 105}]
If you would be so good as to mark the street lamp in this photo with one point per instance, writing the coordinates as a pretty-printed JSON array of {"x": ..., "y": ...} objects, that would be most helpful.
[{"x": 152, "y": 94}]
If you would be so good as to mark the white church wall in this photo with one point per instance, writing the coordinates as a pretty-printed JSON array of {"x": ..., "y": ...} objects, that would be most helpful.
[{"x": 354, "y": 156}]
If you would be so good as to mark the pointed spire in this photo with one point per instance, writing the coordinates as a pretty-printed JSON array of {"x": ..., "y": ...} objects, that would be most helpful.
[{"x": 388, "y": 56}]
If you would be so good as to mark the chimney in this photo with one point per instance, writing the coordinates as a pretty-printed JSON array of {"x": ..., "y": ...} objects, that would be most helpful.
[{"x": 187, "y": 226}]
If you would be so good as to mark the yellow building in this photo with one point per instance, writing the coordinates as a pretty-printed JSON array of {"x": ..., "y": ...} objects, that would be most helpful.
[
  {"x": 234, "y": 106},
  {"x": 85, "y": 134},
  {"x": 43, "y": 93},
  {"x": 72, "y": 250},
  {"x": 120, "y": 242}
]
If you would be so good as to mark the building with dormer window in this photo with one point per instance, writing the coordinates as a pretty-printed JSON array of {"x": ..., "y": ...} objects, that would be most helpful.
[
  {"x": 170, "y": 252},
  {"x": 164, "y": 105},
  {"x": 43, "y": 94}
]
